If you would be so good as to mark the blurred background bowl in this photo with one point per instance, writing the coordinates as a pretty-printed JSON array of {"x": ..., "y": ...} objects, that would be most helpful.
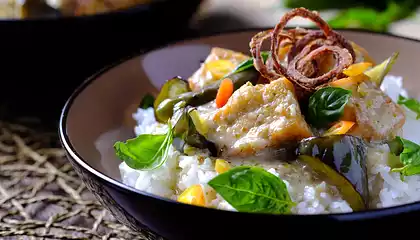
[{"x": 43, "y": 58}]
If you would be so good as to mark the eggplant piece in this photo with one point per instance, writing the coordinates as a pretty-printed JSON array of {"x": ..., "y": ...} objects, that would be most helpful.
[
  {"x": 347, "y": 156},
  {"x": 147, "y": 101},
  {"x": 171, "y": 89},
  {"x": 188, "y": 126},
  {"x": 164, "y": 105}
]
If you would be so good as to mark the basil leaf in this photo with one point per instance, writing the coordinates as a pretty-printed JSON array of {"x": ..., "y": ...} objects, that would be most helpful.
[
  {"x": 327, "y": 105},
  {"x": 147, "y": 101},
  {"x": 249, "y": 63},
  {"x": 410, "y": 103},
  {"x": 252, "y": 189},
  {"x": 409, "y": 157},
  {"x": 146, "y": 151}
]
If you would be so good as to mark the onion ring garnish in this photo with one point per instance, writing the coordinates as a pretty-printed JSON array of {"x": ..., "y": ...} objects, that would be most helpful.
[{"x": 307, "y": 47}]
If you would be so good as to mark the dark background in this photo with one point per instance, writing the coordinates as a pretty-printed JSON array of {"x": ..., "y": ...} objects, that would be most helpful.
[{"x": 43, "y": 61}]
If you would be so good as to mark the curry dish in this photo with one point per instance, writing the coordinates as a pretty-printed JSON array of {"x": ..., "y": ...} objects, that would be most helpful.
[{"x": 308, "y": 126}]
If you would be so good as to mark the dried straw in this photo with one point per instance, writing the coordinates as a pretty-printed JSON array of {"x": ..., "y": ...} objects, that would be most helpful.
[{"x": 41, "y": 197}]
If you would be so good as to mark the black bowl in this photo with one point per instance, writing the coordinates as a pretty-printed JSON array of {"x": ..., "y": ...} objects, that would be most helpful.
[
  {"x": 44, "y": 59},
  {"x": 99, "y": 113}
]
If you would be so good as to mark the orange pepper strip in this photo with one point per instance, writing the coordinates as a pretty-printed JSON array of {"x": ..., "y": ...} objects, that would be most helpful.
[
  {"x": 341, "y": 127},
  {"x": 348, "y": 114},
  {"x": 283, "y": 51},
  {"x": 357, "y": 68},
  {"x": 348, "y": 82},
  {"x": 224, "y": 92}
]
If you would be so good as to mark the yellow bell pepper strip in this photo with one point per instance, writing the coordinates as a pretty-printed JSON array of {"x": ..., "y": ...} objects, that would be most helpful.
[
  {"x": 193, "y": 195},
  {"x": 341, "y": 127},
  {"x": 221, "y": 166},
  {"x": 357, "y": 69}
]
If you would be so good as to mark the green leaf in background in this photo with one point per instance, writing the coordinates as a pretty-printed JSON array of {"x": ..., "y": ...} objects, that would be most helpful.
[
  {"x": 360, "y": 18},
  {"x": 327, "y": 105},
  {"x": 411, "y": 104},
  {"x": 372, "y": 18},
  {"x": 147, "y": 101},
  {"x": 409, "y": 157},
  {"x": 146, "y": 151},
  {"x": 252, "y": 189}
]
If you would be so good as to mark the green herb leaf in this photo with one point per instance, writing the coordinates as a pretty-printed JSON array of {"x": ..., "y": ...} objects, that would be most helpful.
[
  {"x": 249, "y": 63},
  {"x": 147, "y": 101},
  {"x": 146, "y": 151},
  {"x": 327, "y": 105},
  {"x": 410, "y": 103},
  {"x": 252, "y": 189},
  {"x": 409, "y": 157}
]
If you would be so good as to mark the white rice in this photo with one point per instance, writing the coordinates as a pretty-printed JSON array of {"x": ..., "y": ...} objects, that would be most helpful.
[{"x": 311, "y": 196}]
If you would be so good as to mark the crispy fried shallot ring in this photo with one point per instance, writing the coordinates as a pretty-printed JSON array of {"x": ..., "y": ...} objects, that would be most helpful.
[
  {"x": 255, "y": 45},
  {"x": 303, "y": 57}
]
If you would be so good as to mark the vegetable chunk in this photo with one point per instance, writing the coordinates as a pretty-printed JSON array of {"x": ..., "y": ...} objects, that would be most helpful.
[
  {"x": 256, "y": 117},
  {"x": 218, "y": 63}
]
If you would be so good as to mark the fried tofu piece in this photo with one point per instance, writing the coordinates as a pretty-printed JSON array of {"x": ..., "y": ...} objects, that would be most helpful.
[
  {"x": 377, "y": 117},
  {"x": 218, "y": 63},
  {"x": 258, "y": 117}
]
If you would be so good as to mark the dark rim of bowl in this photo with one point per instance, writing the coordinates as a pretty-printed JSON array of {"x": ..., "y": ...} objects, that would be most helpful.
[{"x": 65, "y": 141}]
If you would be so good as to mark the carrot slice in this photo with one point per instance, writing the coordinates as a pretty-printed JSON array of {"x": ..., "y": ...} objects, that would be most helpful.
[
  {"x": 341, "y": 127},
  {"x": 357, "y": 68},
  {"x": 224, "y": 92}
]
